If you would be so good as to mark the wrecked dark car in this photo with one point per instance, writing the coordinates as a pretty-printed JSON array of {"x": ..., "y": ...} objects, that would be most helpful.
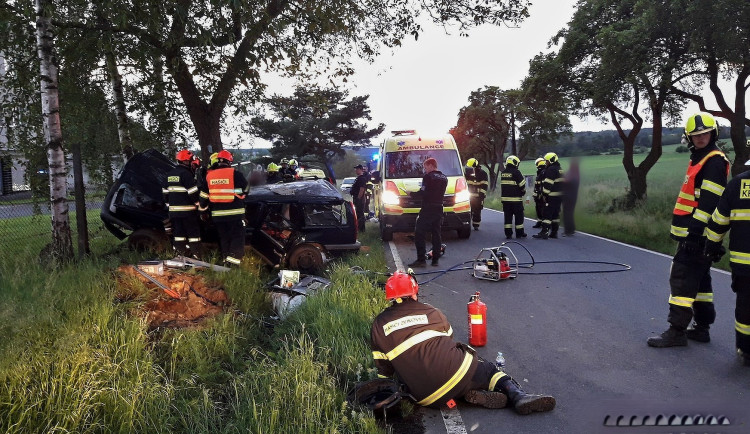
[{"x": 296, "y": 224}]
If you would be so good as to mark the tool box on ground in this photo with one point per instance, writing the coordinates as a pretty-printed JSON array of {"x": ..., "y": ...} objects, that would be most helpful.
[
  {"x": 495, "y": 263},
  {"x": 290, "y": 289}
]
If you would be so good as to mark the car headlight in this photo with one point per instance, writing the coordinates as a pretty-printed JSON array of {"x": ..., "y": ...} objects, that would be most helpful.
[
  {"x": 390, "y": 198},
  {"x": 462, "y": 196}
]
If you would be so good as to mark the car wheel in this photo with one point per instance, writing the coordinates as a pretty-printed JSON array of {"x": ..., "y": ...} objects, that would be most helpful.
[
  {"x": 147, "y": 239},
  {"x": 306, "y": 258},
  {"x": 464, "y": 232}
]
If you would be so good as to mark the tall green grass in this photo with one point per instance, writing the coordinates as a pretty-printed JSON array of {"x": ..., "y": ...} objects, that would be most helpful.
[{"x": 72, "y": 359}]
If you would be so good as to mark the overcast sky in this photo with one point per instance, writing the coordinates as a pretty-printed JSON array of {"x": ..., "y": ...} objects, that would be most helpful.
[{"x": 424, "y": 83}]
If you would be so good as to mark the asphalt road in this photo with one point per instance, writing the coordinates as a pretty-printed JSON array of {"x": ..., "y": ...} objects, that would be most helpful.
[
  {"x": 27, "y": 209},
  {"x": 582, "y": 337}
]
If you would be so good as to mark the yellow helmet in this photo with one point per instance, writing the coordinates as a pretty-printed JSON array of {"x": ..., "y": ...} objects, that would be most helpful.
[
  {"x": 539, "y": 162},
  {"x": 272, "y": 167},
  {"x": 214, "y": 158},
  {"x": 512, "y": 160},
  {"x": 472, "y": 162},
  {"x": 293, "y": 162},
  {"x": 551, "y": 157},
  {"x": 700, "y": 123}
]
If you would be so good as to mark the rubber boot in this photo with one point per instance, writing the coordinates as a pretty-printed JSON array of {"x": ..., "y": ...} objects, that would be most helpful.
[
  {"x": 537, "y": 225},
  {"x": 698, "y": 333},
  {"x": 526, "y": 403},
  {"x": 486, "y": 398},
  {"x": 543, "y": 234},
  {"x": 419, "y": 263},
  {"x": 509, "y": 233},
  {"x": 555, "y": 228},
  {"x": 520, "y": 234},
  {"x": 673, "y": 337},
  {"x": 744, "y": 357}
]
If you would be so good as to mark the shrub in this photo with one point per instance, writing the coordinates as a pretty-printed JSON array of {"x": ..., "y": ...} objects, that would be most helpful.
[{"x": 681, "y": 149}]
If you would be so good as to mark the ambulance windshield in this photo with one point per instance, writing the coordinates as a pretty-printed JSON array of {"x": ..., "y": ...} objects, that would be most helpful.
[{"x": 408, "y": 164}]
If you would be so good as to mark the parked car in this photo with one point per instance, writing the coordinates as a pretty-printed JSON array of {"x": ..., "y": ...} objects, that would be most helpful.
[
  {"x": 346, "y": 184},
  {"x": 295, "y": 224}
]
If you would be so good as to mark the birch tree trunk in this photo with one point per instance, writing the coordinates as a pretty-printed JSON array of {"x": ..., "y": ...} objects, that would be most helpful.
[
  {"x": 123, "y": 124},
  {"x": 61, "y": 248}
]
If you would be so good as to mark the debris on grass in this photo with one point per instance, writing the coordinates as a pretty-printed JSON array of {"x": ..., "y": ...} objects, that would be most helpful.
[{"x": 198, "y": 299}]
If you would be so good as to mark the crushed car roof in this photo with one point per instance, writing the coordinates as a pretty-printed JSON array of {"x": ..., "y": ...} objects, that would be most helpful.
[{"x": 300, "y": 191}]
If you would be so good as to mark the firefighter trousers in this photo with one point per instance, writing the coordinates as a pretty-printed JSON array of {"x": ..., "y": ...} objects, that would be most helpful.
[
  {"x": 741, "y": 286},
  {"x": 186, "y": 234},
  {"x": 477, "y": 205},
  {"x": 539, "y": 207},
  {"x": 513, "y": 218},
  {"x": 430, "y": 219},
  {"x": 691, "y": 294},
  {"x": 231, "y": 240},
  {"x": 551, "y": 221}
]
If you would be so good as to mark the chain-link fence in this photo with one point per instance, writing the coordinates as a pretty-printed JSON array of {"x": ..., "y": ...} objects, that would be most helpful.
[{"x": 25, "y": 221}]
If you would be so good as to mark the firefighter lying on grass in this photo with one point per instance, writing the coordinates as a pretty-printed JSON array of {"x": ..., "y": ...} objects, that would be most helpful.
[{"x": 414, "y": 341}]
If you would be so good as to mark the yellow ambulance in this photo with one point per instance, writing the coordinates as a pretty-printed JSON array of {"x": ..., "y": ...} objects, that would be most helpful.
[{"x": 400, "y": 172}]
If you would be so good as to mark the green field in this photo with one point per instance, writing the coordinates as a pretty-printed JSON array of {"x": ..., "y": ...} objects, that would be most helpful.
[{"x": 603, "y": 180}]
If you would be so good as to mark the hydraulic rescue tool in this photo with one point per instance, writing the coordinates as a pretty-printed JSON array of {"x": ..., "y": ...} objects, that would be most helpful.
[
  {"x": 477, "y": 321},
  {"x": 170, "y": 292},
  {"x": 496, "y": 263}
]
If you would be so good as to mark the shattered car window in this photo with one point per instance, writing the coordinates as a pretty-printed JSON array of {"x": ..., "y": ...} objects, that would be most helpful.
[
  {"x": 134, "y": 198},
  {"x": 324, "y": 215}
]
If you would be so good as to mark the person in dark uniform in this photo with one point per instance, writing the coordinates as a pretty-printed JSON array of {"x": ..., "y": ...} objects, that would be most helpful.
[
  {"x": 358, "y": 192},
  {"x": 570, "y": 197},
  {"x": 552, "y": 191},
  {"x": 512, "y": 190},
  {"x": 430, "y": 217},
  {"x": 478, "y": 183},
  {"x": 181, "y": 196},
  {"x": 690, "y": 276},
  {"x": 415, "y": 341},
  {"x": 732, "y": 214},
  {"x": 538, "y": 194},
  {"x": 224, "y": 194}
]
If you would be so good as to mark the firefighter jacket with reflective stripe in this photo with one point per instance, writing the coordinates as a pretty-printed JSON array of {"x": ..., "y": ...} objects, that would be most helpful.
[
  {"x": 180, "y": 192},
  {"x": 433, "y": 188},
  {"x": 704, "y": 183},
  {"x": 539, "y": 183},
  {"x": 733, "y": 212},
  {"x": 552, "y": 186},
  {"x": 512, "y": 184},
  {"x": 224, "y": 193},
  {"x": 478, "y": 184},
  {"x": 414, "y": 340}
]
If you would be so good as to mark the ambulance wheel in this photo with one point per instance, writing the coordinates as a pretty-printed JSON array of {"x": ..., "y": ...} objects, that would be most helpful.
[
  {"x": 464, "y": 232},
  {"x": 147, "y": 239},
  {"x": 306, "y": 258},
  {"x": 386, "y": 235}
]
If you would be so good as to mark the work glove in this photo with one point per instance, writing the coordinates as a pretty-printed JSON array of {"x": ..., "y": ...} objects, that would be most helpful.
[
  {"x": 692, "y": 244},
  {"x": 714, "y": 251}
]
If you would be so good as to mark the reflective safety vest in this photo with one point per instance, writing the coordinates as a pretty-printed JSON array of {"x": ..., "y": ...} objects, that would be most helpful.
[
  {"x": 221, "y": 185},
  {"x": 687, "y": 200}
]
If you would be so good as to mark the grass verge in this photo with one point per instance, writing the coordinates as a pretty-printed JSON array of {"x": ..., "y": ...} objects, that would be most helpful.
[{"x": 73, "y": 360}]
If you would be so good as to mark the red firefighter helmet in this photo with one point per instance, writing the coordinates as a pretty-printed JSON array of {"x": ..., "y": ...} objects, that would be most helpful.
[
  {"x": 226, "y": 155},
  {"x": 400, "y": 285},
  {"x": 185, "y": 155}
]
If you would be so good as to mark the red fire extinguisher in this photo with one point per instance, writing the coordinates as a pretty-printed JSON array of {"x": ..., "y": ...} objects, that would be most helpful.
[{"x": 477, "y": 321}]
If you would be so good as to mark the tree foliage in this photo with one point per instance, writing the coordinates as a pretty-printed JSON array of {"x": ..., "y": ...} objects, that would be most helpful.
[{"x": 315, "y": 121}]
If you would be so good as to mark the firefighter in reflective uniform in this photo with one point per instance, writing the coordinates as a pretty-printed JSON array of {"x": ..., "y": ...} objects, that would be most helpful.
[
  {"x": 552, "y": 190},
  {"x": 538, "y": 194},
  {"x": 291, "y": 172},
  {"x": 478, "y": 183},
  {"x": 512, "y": 190},
  {"x": 733, "y": 213},
  {"x": 181, "y": 195},
  {"x": 415, "y": 341},
  {"x": 273, "y": 177},
  {"x": 690, "y": 278},
  {"x": 224, "y": 196}
]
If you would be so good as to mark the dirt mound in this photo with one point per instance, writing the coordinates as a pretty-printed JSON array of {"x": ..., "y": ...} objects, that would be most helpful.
[{"x": 197, "y": 300}]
